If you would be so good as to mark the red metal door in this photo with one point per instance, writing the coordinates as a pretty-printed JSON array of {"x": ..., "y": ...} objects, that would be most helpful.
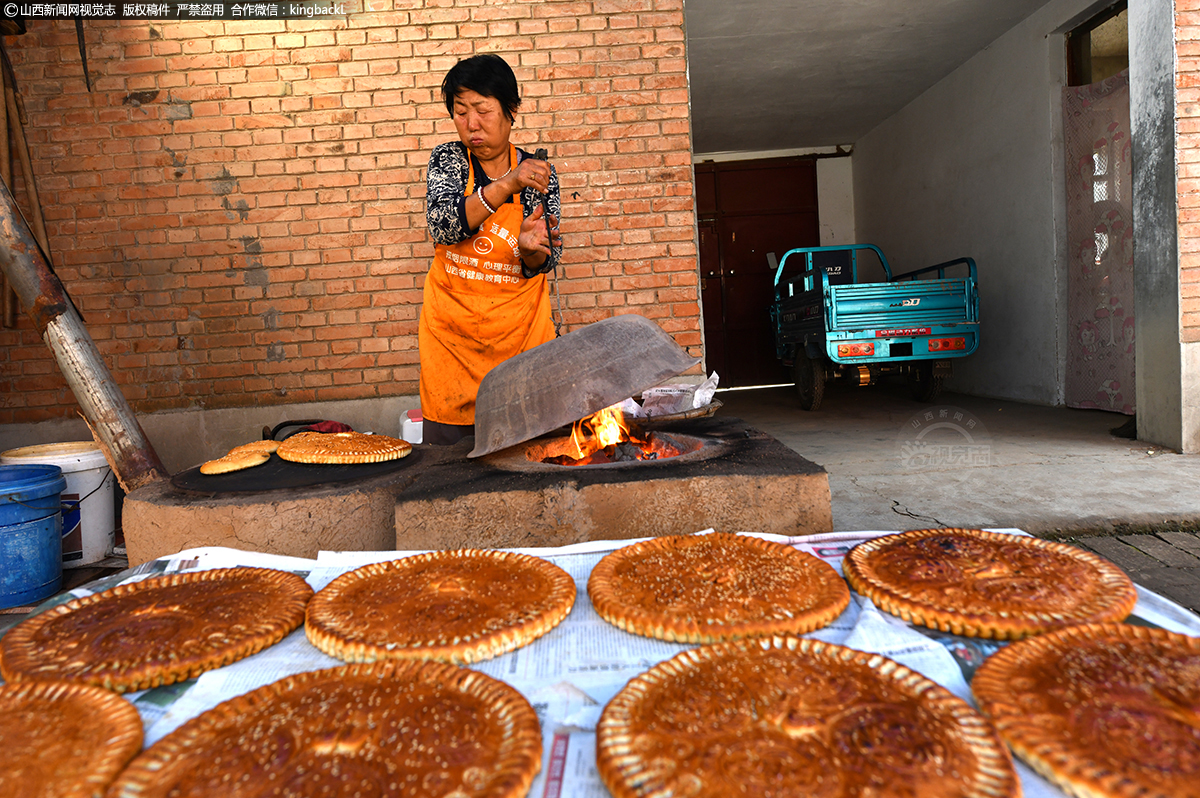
[
  {"x": 712, "y": 299},
  {"x": 748, "y": 209}
]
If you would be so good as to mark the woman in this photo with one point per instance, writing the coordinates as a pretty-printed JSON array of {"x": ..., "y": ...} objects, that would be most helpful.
[{"x": 486, "y": 297}]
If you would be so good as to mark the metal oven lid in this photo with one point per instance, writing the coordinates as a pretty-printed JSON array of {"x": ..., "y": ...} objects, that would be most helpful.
[{"x": 571, "y": 377}]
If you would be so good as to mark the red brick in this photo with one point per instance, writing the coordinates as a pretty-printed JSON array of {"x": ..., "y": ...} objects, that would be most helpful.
[{"x": 281, "y": 213}]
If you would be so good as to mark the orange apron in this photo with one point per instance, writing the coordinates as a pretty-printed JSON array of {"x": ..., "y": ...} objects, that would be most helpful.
[{"x": 478, "y": 311}]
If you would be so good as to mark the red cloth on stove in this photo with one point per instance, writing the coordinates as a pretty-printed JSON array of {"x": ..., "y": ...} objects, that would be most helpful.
[{"x": 328, "y": 426}]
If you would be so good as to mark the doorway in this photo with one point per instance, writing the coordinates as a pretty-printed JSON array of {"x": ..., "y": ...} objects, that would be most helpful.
[
  {"x": 747, "y": 209},
  {"x": 1099, "y": 223}
]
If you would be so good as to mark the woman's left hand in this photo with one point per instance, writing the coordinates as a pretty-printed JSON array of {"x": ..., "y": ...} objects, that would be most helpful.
[
  {"x": 535, "y": 238},
  {"x": 530, "y": 173}
]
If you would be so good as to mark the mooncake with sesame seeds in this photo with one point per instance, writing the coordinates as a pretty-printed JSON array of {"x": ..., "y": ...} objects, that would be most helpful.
[
  {"x": 460, "y": 606},
  {"x": 1107, "y": 710},
  {"x": 235, "y": 461},
  {"x": 270, "y": 447},
  {"x": 715, "y": 587},
  {"x": 401, "y": 728},
  {"x": 159, "y": 631},
  {"x": 992, "y": 585},
  {"x": 788, "y": 716},
  {"x": 342, "y": 448},
  {"x": 247, "y": 455},
  {"x": 63, "y": 740}
]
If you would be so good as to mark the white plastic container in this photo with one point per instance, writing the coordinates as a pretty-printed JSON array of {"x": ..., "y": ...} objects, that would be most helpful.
[
  {"x": 412, "y": 426},
  {"x": 89, "y": 522}
]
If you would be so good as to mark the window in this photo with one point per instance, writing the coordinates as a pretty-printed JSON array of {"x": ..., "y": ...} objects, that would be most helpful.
[{"x": 1099, "y": 48}]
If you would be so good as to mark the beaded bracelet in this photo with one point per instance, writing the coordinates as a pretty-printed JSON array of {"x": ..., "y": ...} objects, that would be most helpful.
[{"x": 488, "y": 207}]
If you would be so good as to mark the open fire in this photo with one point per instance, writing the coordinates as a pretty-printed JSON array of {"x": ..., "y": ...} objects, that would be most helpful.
[{"x": 606, "y": 437}]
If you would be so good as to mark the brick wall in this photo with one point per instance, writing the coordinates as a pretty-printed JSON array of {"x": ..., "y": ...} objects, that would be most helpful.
[
  {"x": 237, "y": 208},
  {"x": 1187, "y": 114}
]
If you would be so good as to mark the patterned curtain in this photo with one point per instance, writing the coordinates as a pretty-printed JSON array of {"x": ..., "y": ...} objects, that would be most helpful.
[{"x": 1100, "y": 245}]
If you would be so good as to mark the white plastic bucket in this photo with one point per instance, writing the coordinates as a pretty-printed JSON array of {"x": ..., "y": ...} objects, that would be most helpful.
[
  {"x": 412, "y": 426},
  {"x": 89, "y": 522}
]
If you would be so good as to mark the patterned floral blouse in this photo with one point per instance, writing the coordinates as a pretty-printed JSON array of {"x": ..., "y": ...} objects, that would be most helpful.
[{"x": 446, "y": 204}]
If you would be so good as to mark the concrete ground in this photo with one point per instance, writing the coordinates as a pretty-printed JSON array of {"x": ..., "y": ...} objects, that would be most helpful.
[{"x": 1058, "y": 473}]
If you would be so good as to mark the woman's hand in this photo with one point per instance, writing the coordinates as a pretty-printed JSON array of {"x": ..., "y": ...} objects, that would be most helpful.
[
  {"x": 531, "y": 173},
  {"x": 535, "y": 240}
]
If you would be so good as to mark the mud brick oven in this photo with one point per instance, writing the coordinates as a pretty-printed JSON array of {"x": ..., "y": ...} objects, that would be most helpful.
[
  {"x": 736, "y": 478},
  {"x": 528, "y": 482}
]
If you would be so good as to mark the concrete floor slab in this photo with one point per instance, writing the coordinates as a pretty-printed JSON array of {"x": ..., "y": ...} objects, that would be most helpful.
[
  {"x": 894, "y": 463},
  {"x": 973, "y": 462}
]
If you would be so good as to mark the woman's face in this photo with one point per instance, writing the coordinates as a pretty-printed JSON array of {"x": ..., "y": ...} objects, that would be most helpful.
[{"x": 481, "y": 124}]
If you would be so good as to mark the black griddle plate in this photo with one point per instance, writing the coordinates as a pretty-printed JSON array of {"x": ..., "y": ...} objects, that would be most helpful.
[{"x": 278, "y": 474}]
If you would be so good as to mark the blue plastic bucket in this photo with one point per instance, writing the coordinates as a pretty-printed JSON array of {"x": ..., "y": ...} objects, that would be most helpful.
[{"x": 30, "y": 533}]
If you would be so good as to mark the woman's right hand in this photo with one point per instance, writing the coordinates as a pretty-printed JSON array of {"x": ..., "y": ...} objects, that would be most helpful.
[{"x": 537, "y": 237}]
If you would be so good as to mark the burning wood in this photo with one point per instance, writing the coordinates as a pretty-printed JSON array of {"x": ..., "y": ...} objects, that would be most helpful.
[{"x": 606, "y": 437}]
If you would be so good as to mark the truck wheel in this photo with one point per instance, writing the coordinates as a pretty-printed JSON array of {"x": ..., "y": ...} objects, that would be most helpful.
[
  {"x": 810, "y": 381},
  {"x": 924, "y": 386}
]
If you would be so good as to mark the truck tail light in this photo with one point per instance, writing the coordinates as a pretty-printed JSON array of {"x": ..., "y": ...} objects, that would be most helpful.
[
  {"x": 946, "y": 344},
  {"x": 856, "y": 350}
]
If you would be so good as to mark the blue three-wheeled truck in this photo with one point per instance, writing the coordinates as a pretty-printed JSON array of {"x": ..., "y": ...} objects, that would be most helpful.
[{"x": 827, "y": 324}]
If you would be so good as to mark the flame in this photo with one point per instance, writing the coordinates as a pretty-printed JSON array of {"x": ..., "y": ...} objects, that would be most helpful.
[
  {"x": 609, "y": 426},
  {"x": 602, "y": 428},
  {"x": 605, "y": 437}
]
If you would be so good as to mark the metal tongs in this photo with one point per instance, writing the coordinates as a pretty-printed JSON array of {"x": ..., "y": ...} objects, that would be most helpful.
[{"x": 541, "y": 155}]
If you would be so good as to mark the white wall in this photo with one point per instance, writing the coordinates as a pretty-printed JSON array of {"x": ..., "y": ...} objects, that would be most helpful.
[
  {"x": 972, "y": 167},
  {"x": 835, "y": 201},
  {"x": 185, "y": 438}
]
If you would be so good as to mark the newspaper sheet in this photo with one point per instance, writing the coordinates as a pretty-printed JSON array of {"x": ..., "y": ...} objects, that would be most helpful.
[{"x": 573, "y": 671}]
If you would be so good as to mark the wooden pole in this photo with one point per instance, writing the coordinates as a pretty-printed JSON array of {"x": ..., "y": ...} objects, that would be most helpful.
[
  {"x": 105, "y": 409},
  {"x": 8, "y": 309},
  {"x": 5, "y": 146},
  {"x": 37, "y": 221}
]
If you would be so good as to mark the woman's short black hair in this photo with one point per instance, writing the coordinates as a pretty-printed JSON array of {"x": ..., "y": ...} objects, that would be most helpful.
[{"x": 487, "y": 74}]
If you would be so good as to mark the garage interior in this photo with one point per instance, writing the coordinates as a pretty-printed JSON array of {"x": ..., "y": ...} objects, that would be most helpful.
[{"x": 934, "y": 132}]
